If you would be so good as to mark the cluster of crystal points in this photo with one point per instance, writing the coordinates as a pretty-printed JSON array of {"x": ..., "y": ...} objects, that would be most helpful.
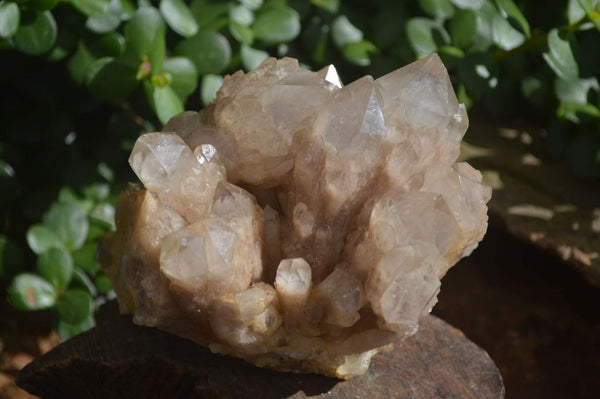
[{"x": 296, "y": 223}]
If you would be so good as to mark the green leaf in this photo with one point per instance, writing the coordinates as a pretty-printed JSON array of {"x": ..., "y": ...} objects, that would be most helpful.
[
  {"x": 166, "y": 103},
  {"x": 575, "y": 12},
  {"x": 587, "y": 5},
  {"x": 127, "y": 10},
  {"x": 484, "y": 36},
  {"x": 389, "y": 29},
  {"x": 206, "y": 12},
  {"x": 11, "y": 258},
  {"x": 79, "y": 62},
  {"x": 111, "y": 44},
  {"x": 80, "y": 278},
  {"x": 179, "y": 17},
  {"x": 67, "y": 195},
  {"x": 66, "y": 44},
  {"x": 103, "y": 284},
  {"x": 328, "y": 5},
  {"x": 252, "y": 4},
  {"x": 343, "y": 32},
  {"x": 210, "y": 86},
  {"x": 30, "y": 292},
  {"x": 40, "y": 5},
  {"x": 535, "y": 90},
  {"x": 560, "y": 57},
  {"x": 510, "y": 10},
  {"x": 37, "y": 37},
  {"x": 241, "y": 15},
  {"x": 56, "y": 266},
  {"x": 91, "y": 7},
  {"x": 463, "y": 28},
  {"x": 145, "y": 34},
  {"x": 69, "y": 223},
  {"x": 450, "y": 54},
  {"x": 358, "y": 52},
  {"x": 438, "y": 9},
  {"x": 115, "y": 80},
  {"x": 6, "y": 170},
  {"x": 85, "y": 258},
  {"x": 40, "y": 238},
  {"x": 575, "y": 91},
  {"x": 469, "y": 4},
  {"x": 209, "y": 51},
  {"x": 320, "y": 49},
  {"x": 68, "y": 331},
  {"x": 106, "y": 172},
  {"x": 241, "y": 33},
  {"x": 95, "y": 67},
  {"x": 158, "y": 54},
  {"x": 185, "y": 77},
  {"x": 252, "y": 58},
  {"x": 105, "y": 214},
  {"x": 75, "y": 306},
  {"x": 277, "y": 25},
  {"x": 98, "y": 229},
  {"x": 504, "y": 35},
  {"x": 425, "y": 35},
  {"x": 594, "y": 16},
  {"x": 9, "y": 18},
  {"x": 575, "y": 111},
  {"x": 96, "y": 191},
  {"x": 463, "y": 97},
  {"x": 106, "y": 20}
]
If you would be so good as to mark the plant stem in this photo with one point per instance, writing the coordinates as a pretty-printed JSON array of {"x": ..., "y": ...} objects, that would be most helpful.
[
  {"x": 536, "y": 40},
  {"x": 132, "y": 115}
]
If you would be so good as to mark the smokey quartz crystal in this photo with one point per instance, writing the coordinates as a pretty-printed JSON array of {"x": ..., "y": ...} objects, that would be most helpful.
[{"x": 295, "y": 223}]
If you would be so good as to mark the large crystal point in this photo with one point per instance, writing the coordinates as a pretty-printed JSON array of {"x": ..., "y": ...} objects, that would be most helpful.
[{"x": 298, "y": 223}]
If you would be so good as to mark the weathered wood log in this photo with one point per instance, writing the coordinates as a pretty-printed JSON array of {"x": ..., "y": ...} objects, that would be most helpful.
[{"x": 121, "y": 360}]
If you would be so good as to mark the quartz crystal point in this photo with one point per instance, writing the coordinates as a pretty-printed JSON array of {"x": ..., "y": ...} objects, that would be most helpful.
[{"x": 296, "y": 223}]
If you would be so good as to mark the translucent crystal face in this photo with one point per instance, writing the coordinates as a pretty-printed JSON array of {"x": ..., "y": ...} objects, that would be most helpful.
[{"x": 296, "y": 223}]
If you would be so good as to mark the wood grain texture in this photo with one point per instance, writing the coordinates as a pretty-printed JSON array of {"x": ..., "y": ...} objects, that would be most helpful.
[{"x": 121, "y": 360}]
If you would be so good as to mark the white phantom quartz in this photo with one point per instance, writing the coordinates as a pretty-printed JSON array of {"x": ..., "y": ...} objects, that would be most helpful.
[{"x": 297, "y": 223}]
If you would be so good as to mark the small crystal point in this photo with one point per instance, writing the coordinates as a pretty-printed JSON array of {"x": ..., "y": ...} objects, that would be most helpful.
[
  {"x": 158, "y": 159},
  {"x": 297, "y": 223},
  {"x": 330, "y": 74},
  {"x": 293, "y": 283}
]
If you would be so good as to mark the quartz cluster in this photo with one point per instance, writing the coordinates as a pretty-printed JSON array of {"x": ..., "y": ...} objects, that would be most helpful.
[{"x": 296, "y": 223}]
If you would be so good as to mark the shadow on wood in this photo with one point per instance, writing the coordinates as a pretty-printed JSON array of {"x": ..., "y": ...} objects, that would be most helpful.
[
  {"x": 118, "y": 359},
  {"x": 537, "y": 199}
]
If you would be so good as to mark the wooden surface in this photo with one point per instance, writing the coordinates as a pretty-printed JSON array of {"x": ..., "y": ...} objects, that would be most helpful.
[
  {"x": 120, "y": 360},
  {"x": 536, "y": 198}
]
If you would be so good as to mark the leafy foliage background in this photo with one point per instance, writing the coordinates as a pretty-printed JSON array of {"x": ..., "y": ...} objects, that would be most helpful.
[{"x": 81, "y": 79}]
